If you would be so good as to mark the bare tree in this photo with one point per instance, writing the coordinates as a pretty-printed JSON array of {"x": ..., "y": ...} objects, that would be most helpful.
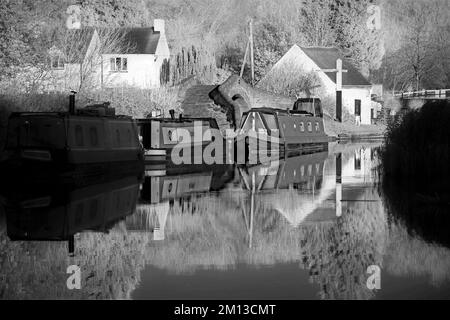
[
  {"x": 423, "y": 56},
  {"x": 75, "y": 61},
  {"x": 290, "y": 80},
  {"x": 316, "y": 22}
]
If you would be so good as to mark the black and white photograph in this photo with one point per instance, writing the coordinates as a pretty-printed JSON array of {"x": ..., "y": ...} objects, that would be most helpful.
[{"x": 226, "y": 156}]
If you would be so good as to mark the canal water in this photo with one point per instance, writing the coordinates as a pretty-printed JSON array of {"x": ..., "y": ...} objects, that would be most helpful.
[{"x": 314, "y": 226}]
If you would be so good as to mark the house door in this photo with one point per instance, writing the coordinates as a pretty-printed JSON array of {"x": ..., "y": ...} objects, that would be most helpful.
[{"x": 357, "y": 107}]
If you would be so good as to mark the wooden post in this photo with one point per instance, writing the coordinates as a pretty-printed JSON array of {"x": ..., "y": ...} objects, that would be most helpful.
[
  {"x": 338, "y": 184},
  {"x": 339, "y": 90},
  {"x": 339, "y": 72},
  {"x": 252, "y": 210},
  {"x": 245, "y": 59},
  {"x": 252, "y": 57},
  {"x": 71, "y": 245}
]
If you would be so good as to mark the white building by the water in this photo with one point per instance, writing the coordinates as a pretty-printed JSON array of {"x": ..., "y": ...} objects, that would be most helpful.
[{"x": 356, "y": 89}]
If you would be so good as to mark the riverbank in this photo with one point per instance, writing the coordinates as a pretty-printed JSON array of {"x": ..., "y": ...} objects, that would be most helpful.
[{"x": 346, "y": 131}]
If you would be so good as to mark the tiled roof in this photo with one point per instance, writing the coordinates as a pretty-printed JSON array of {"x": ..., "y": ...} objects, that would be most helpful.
[
  {"x": 141, "y": 40},
  {"x": 325, "y": 58}
]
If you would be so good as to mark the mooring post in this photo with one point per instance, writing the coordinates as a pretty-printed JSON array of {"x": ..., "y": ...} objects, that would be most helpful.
[
  {"x": 71, "y": 244},
  {"x": 72, "y": 102}
]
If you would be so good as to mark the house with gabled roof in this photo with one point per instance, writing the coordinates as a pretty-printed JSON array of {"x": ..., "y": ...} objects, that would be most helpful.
[
  {"x": 356, "y": 89},
  {"x": 137, "y": 64}
]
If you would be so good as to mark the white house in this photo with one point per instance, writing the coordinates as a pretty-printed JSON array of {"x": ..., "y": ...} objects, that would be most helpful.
[
  {"x": 137, "y": 64},
  {"x": 356, "y": 90}
]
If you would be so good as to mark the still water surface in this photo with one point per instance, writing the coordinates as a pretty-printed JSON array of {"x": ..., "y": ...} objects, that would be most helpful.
[{"x": 284, "y": 230}]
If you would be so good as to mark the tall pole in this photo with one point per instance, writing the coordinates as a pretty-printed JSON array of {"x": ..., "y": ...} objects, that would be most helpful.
[
  {"x": 339, "y": 90},
  {"x": 339, "y": 72},
  {"x": 339, "y": 185},
  {"x": 252, "y": 57},
  {"x": 245, "y": 59}
]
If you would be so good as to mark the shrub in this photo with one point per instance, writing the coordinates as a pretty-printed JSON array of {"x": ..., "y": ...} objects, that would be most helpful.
[
  {"x": 417, "y": 147},
  {"x": 134, "y": 102}
]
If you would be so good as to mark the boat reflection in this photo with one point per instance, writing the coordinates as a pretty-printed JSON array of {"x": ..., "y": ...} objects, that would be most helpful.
[
  {"x": 302, "y": 183},
  {"x": 163, "y": 185},
  {"x": 59, "y": 213}
]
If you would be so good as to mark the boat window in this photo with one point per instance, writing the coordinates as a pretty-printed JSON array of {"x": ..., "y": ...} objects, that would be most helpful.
[
  {"x": 79, "y": 136},
  {"x": 253, "y": 122},
  {"x": 79, "y": 213},
  {"x": 309, "y": 126},
  {"x": 259, "y": 124},
  {"x": 317, "y": 126},
  {"x": 117, "y": 137},
  {"x": 318, "y": 108},
  {"x": 302, "y": 127},
  {"x": 93, "y": 135},
  {"x": 304, "y": 106},
  {"x": 271, "y": 121},
  {"x": 244, "y": 117},
  {"x": 93, "y": 208}
]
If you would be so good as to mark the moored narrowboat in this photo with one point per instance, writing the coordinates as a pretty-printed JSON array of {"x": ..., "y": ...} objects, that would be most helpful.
[
  {"x": 301, "y": 128},
  {"x": 159, "y": 136},
  {"x": 58, "y": 140}
]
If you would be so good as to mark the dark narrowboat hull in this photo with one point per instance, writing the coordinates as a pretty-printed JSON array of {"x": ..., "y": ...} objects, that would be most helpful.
[{"x": 58, "y": 147}]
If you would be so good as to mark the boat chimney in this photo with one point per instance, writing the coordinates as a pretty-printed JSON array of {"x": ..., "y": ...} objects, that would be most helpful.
[
  {"x": 172, "y": 114},
  {"x": 72, "y": 102}
]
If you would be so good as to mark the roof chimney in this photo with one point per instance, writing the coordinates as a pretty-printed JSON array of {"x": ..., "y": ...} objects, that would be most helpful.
[{"x": 159, "y": 26}]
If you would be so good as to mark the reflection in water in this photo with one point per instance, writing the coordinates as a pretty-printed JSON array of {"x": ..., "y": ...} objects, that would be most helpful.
[
  {"x": 321, "y": 212},
  {"x": 45, "y": 218},
  {"x": 61, "y": 214}
]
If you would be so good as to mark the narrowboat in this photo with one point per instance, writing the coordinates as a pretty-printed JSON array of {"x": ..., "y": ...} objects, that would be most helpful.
[
  {"x": 301, "y": 128},
  {"x": 62, "y": 140},
  {"x": 289, "y": 123},
  {"x": 159, "y": 136}
]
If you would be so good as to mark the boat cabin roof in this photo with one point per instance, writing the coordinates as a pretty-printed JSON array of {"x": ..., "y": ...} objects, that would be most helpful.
[
  {"x": 64, "y": 114},
  {"x": 212, "y": 121},
  {"x": 43, "y": 114},
  {"x": 275, "y": 111}
]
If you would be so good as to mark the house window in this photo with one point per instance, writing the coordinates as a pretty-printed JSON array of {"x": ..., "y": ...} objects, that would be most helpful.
[
  {"x": 357, "y": 107},
  {"x": 119, "y": 64},
  {"x": 57, "y": 62}
]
